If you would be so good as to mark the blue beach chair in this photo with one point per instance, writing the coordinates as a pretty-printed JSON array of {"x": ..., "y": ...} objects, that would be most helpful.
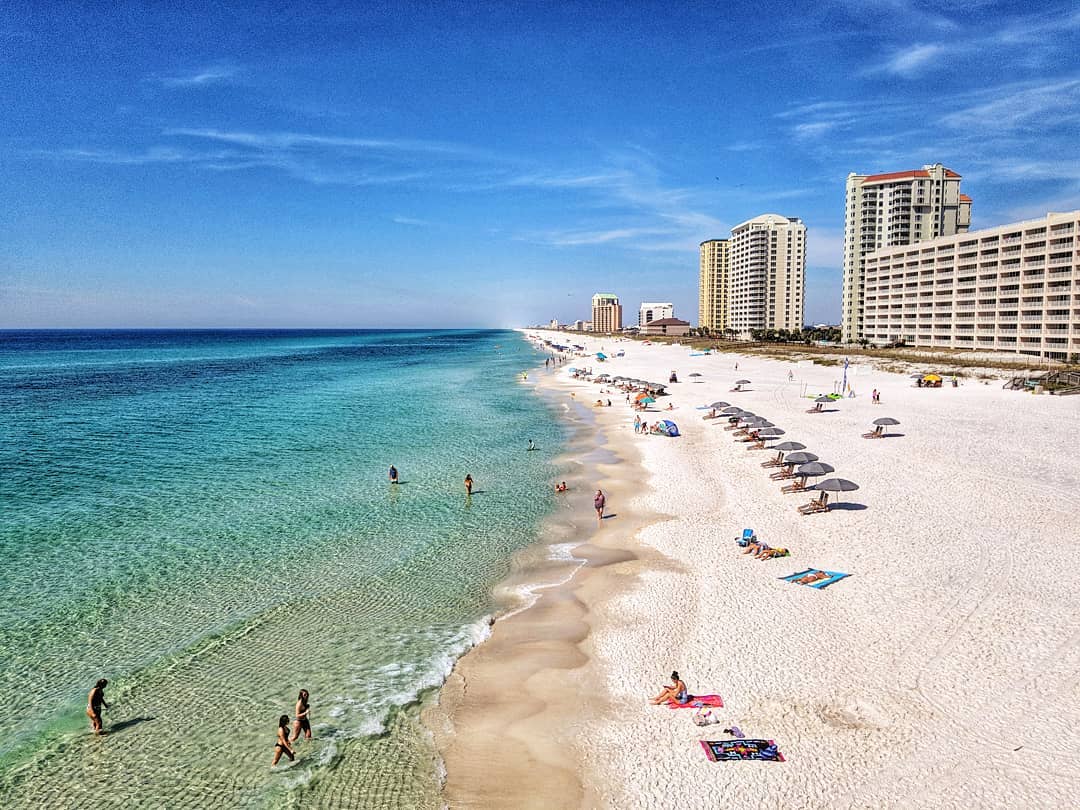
[{"x": 747, "y": 538}]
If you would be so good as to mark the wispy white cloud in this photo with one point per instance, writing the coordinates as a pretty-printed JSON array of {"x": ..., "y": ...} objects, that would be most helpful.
[
  {"x": 914, "y": 59},
  {"x": 1009, "y": 107},
  {"x": 215, "y": 74},
  {"x": 419, "y": 223}
]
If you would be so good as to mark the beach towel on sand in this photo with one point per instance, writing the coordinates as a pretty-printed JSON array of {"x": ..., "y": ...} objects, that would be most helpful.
[
  {"x": 833, "y": 576},
  {"x": 697, "y": 701},
  {"x": 721, "y": 750}
]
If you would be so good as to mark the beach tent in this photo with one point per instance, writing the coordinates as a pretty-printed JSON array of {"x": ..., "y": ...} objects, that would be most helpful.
[{"x": 669, "y": 428}]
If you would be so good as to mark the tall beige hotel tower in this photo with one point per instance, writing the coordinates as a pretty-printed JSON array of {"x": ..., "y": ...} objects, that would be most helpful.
[
  {"x": 713, "y": 280},
  {"x": 887, "y": 210}
]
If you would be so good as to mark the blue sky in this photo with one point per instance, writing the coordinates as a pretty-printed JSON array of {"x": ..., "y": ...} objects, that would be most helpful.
[{"x": 461, "y": 164}]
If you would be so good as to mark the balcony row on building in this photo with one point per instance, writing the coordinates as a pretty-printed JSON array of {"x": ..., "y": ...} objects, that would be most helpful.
[{"x": 1012, "y": 288}]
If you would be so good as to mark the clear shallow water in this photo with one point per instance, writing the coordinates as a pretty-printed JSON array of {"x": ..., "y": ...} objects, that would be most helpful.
[{"x": 204, "y": 519}]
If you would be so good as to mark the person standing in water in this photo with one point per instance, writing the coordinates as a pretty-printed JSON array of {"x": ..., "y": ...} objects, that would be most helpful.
[
  {"x": 94, "y": 701},
  {"x": 598, "y": 504},
  {"x": 303, "y": 721},
  {"x": 393, "y": 474},
  {"x": 468, "y": 484},
  {"x": 531, "y": 445},
  {"x": 282, "y": 744}
]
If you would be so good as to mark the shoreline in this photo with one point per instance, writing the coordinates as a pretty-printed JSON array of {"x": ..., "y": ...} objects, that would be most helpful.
[
  {"x": 507, "y": 720},
  {"x": 931, "y": 676}
]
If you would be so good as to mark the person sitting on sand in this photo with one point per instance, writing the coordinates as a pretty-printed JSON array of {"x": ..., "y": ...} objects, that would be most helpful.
[
  {"x": 560, "y": 487},
  {"x": 676, "y": 692},
  {"x": 599, "y": 404},
  {"x": 810, "y": 579}
]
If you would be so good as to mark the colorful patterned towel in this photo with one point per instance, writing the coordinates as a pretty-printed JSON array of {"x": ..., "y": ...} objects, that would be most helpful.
[
  {"x": 697, "y": 701},
  {"x": 721, "y": 750}
]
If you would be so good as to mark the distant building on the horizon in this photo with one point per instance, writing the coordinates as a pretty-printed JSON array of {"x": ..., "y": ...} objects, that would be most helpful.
[
  {"x": 713, "y": 284},
  {"x": 1011, "y": 288},
  {"x": 666, "y": 326},
  {"x": 649, "y": 312},
  {"x": 579, "y": 325},
  {"x": 606, "y": 313},
  {"x": 886, "y": 210},
  {"x": 768, "y": 273}
]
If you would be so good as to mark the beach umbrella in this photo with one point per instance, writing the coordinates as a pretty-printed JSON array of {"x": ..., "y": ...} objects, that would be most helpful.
[
  {"x": 886, "y": 420},
  {"x": 787, "y": 447},
  {"x": 720, "y": 404},
  {"x": 815, "y": 468},
  {"x": 823, "y": 398},
  {"x": 771, "y": 433},
  {"x": 695, "y": 374},
  {"x": 742, "y": 382},
  {"x": 732, "y": 409},
  {"x": 799, "y": 458},
  {"x": 646, "y": 400},
  {"x": 835, "y": 485},
  {"x": 916, "y": 377}
]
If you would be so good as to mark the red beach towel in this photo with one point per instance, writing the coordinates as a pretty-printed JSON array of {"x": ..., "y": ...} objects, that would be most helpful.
[{"x": 698, "y": 701}]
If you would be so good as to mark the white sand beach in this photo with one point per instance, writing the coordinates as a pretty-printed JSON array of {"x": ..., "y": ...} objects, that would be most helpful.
[{"x": 944, "y": 671}]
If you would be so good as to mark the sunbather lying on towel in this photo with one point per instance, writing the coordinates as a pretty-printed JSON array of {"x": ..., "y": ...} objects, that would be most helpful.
[
  {"x": 810, "y": 579},
  {"x": 769, "y": 553},
  {"x": 676, "y": 692}
]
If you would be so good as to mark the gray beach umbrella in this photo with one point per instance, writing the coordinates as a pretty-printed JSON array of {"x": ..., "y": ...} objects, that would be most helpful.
[
  {"x": 742, "y": 382},
  {"x": 886, "y": 420},
  {"x": 836, "y": 485},
  {"x": 747, "y": 414},
  {"x": 916, "y": 377},
  {"x": 695, "y": 374},
  {"x": 799, "y": 458},
  {"x": 731, "y": 410},
  {"x": 771, "y": 433},
  {"x": 823, "y": 399},
  {"x": 787, "y": 447},
  {"x": 815, "y": 468},
  {"x": 720, "y": 404}
]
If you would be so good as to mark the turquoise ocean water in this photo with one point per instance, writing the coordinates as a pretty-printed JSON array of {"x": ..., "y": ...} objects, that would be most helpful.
[{"x": 204, "y": 519}]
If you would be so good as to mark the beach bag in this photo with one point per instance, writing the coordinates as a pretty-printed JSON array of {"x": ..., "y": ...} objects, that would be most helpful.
[{"x": 705, "y": 717}]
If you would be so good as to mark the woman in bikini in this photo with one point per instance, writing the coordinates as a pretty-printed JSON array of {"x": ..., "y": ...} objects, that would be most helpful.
[
  {"x": 302, "y": 722},
  {"x": 94, "y": 701},
  {"x": 676, "y": 692},
  {"x": 282, "y": 744}
]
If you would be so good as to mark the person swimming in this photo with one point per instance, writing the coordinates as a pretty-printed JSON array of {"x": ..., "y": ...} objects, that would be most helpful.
[{"x": 468, "y": 484}]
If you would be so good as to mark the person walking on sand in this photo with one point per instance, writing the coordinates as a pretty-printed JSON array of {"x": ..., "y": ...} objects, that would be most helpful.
[
  {"x": 468, "y": 484},
  {"x": 94, "y": 701},
  {"x": 282, "y": 744},
  {"x": 302, "y": 722},
  {"x": 393, "y": 474},
  {"x": 598, "y": 502}
]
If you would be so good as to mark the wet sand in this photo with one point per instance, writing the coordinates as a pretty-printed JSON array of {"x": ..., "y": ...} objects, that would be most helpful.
[{"x": 510, "y": 717}]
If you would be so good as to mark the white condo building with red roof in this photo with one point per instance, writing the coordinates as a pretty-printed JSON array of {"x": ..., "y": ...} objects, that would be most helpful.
[{"x": 894, "y": 209}]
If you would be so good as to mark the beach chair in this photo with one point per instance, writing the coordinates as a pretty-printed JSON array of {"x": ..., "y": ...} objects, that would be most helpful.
[
  {"x": 816, "y": 408},
  {"x": 876, "y": 433},
  {"x": 747, "y": 538},
  {"x": 799, "y": 485},
  {"x": 817, "y": 505},
  {"x": 787, "y": 472},
  {"x": 758, "y": 445}
]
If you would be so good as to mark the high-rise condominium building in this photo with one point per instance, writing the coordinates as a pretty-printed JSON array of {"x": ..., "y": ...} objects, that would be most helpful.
[
  {"x": 606, "y": 313},
  {"x": 768, "y": 269},
  {"x": 885, "y": 210},
  {"x": 1013, "y": 288},
  {"x": 649, "y": 312},
  {"x": 713, "y": 282}
]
